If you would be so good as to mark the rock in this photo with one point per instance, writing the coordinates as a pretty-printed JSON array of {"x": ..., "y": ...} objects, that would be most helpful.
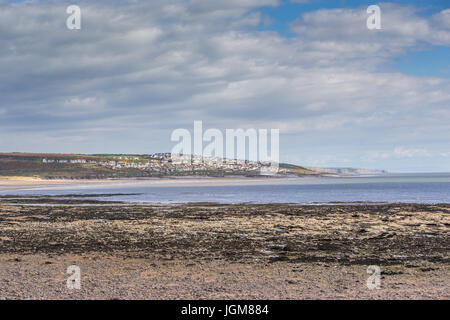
[
  {"x": 427, "y": 269},
  {"x": 278, "y": 258},
  {"x": 391, "y": 272},
  {"x": 291, "y": 281}
]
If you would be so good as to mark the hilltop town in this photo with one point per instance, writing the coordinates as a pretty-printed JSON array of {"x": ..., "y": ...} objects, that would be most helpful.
[{"x": 73, "y": 166}]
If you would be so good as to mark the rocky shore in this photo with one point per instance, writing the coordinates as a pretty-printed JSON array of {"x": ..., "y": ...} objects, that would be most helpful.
[{"x": 206, "y": 250}]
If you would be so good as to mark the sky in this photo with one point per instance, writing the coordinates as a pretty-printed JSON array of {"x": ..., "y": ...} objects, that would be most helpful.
[{"x": 340, "y": 94}]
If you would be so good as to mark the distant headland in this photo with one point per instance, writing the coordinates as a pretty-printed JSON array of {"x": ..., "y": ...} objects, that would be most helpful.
[{"x": 117, "y": 166}]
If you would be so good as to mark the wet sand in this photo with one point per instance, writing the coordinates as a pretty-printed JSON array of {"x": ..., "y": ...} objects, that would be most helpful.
[
  {"x": 18, "y": 183},
  {"x": 197, "y": 251},
  {"x": 21, "y": 183}
]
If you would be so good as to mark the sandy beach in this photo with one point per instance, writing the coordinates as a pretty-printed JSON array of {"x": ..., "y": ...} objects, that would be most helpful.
[
  {"x": 212, "y": 251},
  {"x": 17, "y": 183},
  {"x": 20, "y": 183}
]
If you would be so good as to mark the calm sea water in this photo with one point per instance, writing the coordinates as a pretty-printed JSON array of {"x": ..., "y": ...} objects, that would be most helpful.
[{"x": 407, "y": 188}]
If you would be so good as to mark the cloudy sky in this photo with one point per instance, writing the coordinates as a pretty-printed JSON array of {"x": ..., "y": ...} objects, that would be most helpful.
[{"x": 341, "y": 95}]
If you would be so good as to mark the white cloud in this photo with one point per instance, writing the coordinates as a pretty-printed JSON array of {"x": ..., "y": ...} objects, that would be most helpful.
[
  {"x": 400, "y": 153},
  {"x": 150, "y": 67},
  {"x": 403, "y": 152}
]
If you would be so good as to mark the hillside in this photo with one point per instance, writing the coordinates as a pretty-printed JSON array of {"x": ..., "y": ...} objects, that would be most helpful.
[
  {"x": 294, "y": 169},
  {"x": 100, "y": 166}
]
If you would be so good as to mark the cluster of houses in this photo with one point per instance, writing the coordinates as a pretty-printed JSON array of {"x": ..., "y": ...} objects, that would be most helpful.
[
  {"x": 66, "y": 161},
  {"x": 198, "y": 163},
  {"x": 165, "y": 163}
]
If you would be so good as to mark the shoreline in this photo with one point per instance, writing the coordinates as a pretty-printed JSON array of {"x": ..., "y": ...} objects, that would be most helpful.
[
  {"x": 18, "y": 183},
  {"x": 21, "y": 187}
]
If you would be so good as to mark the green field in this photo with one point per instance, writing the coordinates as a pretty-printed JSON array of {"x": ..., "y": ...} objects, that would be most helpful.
[{"x": 36, "y": 165}]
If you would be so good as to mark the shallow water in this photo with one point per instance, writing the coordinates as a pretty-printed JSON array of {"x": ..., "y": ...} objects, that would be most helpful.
[{"x": 406, "y": 188}]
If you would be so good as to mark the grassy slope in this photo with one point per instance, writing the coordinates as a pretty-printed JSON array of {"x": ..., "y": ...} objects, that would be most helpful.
[
  {"x": 31, "y": 165},
  {"x": 297, "y": 169}
]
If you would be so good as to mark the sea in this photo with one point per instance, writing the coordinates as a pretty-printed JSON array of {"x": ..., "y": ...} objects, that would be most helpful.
[{"x": 426, "y": 188}]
